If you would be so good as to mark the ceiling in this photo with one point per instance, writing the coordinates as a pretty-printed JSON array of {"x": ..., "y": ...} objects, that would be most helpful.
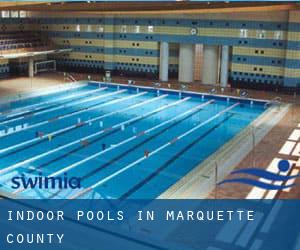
[{"x": 140, "y": 7}]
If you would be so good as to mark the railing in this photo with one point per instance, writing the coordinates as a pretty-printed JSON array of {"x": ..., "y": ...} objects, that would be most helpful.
[
  {"x": 183, "y": 87},
  {"x": 44, "y": 66},
  {"x": 156, "y": 85},
  {"x": 274, "y": 102},
  {"x": 69, "y": 77}
]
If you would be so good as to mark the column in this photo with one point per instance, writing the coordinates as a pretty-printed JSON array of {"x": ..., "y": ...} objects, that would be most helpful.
[
  {"x": 210, "y": 64},
  {"x": 186, "y": 63},
  {"x": 31, "y": 67},
  {"x": 164, "y": 62},
  {"x": 224, "y": 66},
  {"x": 198, "y": 62},
  {"x": 108, "y": 43}
]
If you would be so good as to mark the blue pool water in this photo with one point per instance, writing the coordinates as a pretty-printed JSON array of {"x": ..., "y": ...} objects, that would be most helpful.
[{"x": 123, "y": 142}]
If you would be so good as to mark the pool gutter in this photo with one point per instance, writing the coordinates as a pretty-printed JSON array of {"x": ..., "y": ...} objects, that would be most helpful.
[{"x": 174, "y": 91}]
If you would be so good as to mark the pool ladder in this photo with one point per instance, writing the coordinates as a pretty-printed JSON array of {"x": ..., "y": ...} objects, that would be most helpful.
[
  {"x": 69, "y": 77},
  {"x": 157, "y": 85}
]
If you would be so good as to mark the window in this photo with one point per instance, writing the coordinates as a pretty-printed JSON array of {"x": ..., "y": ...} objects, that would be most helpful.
[
  {"x": 137, "y": 29},
  {"x": 22, "y": 14},
  {"x": 100, "y": 29},
  {"x": 261, "y": 34},
  {"x": 78, "y": 27},
  {"x": 5, "y": 14},
  {"x": 123, "y": 29},
  {"x": 243, "y": 33},
  {"x": 89, "y": 28},
  {"x": 278, "y": 35},
  {"x": 14, "y": 14},
  {"x": 150, "y": 29}
]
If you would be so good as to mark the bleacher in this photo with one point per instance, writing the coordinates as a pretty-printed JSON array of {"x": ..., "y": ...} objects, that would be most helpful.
[{"x": 19, "y": 42}]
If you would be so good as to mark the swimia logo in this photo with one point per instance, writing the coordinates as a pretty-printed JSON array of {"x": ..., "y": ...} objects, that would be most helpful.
[
  {"x": 267, "y": 180},
  {"x": 44, "y": 182}
]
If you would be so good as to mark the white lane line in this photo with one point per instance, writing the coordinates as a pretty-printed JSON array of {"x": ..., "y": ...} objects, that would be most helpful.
[
  {"x": 53, "y": 133},
  {"x": 295, "y": 135},
  {"x": 296, "y": 151},
  {"x": 31, "y": 107},
  {"x": 115, "y": 112},
  {"x": 119, "y": 125},
  {"x": 287, "y": 148},
  {"x": 131, "y": 165},
  {"x": 46, "y": 104},
  {"x": 83, "y": 110},
  {"x": 44, "y": 93},
  {"x": 54, "y": 108},
  {"x": 174, "y": 119}
]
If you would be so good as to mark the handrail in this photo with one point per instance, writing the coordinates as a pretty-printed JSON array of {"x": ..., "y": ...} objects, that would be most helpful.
[
  {"x": 70, "y": 77},
  {"x": 156, "y": 85},
  {"x": 275, "y": 101},
  {"x": 183, "y": 87}
]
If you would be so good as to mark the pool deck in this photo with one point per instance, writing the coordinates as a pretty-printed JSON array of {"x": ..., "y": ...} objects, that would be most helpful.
[{"x": 282, "y": 142}]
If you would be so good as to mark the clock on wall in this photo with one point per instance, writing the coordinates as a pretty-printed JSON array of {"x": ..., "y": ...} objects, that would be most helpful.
[{"x": 194, "y": 31}]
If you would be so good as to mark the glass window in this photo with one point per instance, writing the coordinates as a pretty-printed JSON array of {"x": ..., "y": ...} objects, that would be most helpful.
[
  {"x": 137, "y": 29},
  {"x": 100, "y": 29},
  {"x": 14, "y": 14},
  {"x": 150, "y": 29},
  {"x": 89, "y": 28},
  {"x": 261, "y": 34},
  {"x": 22, "y": 14},
  {"x": 78, "y": 27},
  {"x": 243, "y": 33},
  {"x": 123, "y": 29},
  {"x": 5, "y": 14},
  {"x": 278, "y": 35}
]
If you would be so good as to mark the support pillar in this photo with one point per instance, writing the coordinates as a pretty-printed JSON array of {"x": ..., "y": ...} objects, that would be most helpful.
[
  {"x": 164, "y": 62},
  {"x": 210, "y": 64},
  {"x": 186, "y": 63},
  {"x": 224, "y": 66},
  {"x": 31, "y": 67}
]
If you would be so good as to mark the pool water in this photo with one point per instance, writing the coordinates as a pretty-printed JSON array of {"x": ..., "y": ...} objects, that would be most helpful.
[{"x": 121, "y": 141}]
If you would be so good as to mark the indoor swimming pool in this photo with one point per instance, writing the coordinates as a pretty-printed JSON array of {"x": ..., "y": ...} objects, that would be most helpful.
[{"x": 121, "y": 141}]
